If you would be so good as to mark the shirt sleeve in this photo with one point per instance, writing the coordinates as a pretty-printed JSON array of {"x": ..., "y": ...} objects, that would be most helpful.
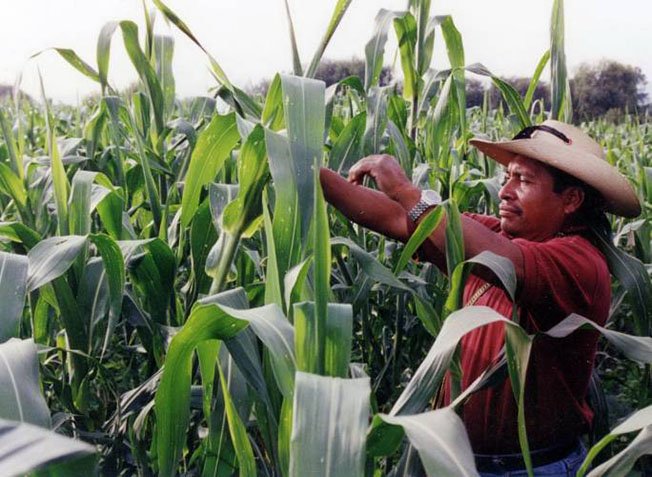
[{"x": 561, "y": 276}]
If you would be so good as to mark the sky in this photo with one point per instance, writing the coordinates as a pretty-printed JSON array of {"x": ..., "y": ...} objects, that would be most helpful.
[{"x": 249, "y": 38}]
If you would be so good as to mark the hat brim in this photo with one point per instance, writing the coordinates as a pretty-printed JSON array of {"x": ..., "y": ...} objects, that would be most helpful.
[{"x": 620, "y": 198}]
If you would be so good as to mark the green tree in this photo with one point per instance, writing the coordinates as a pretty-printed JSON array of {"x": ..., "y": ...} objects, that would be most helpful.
[{"x": 609, "y": 88}]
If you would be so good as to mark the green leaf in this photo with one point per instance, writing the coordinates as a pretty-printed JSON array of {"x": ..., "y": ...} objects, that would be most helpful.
[
  {"x": 75, "y": 61},
  {"x": 527, "y": 101},
  {"x": 516, "y": 105},
  {"x": 80, "y": 202},
  {"x": 432, "y": 369},
  {"x": 163, "y": 53},
  {"x": 633, "y": 277},
  {"x": 25, "y": 448},
  {"x": 11, "y": 185},
  {"x": 214, "y": 145},
  {"x": 51, "y": 258},
  {"x": 441, "y": 440},
  {"x": 296, "y": 59},
  {"x": 622, "y": 463},
  {"x": 560, "y": 102},
  {"x": 332, "y": 441},
  {"x": 337, "y": 343},
  {"x": 375, "y": 47},
  {"x": 115, "y": 270},
  {"x": 176, "y": 21},
  {"x": 406, "y": 34},
  {"x": 426, "y": 227},
  {"x": 13, "y": 277},
  {"x": 238, "y": 431},
  {"x": 104, "y": 53},
  {"x": 286, "y": 223},
  {"x": 376, "y": 120},
  {"x": 347, "y": 148},
  {"x": 144, "y": 70},
  {"x": 338, "y": 12},
  {"x": 20, "y": 388},
  {"x": 303, "y": 104}
]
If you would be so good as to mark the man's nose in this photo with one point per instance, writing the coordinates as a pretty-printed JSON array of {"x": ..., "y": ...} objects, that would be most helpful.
[{"x": 506, "y": 191}]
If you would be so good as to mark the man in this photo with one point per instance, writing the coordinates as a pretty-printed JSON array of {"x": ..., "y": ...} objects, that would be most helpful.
[{"x": 557, "y": 187}]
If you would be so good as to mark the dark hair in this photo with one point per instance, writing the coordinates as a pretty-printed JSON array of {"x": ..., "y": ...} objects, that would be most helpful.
[{"x": 591, "y": 212}]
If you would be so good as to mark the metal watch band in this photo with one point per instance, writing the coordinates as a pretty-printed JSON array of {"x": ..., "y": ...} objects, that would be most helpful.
[{"x": 429, "y": 198}]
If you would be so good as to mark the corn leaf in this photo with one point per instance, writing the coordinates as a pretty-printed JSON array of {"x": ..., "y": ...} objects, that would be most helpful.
[
  {"x": 375, "y": 47},
  {"x": 559, "y": 83},
  {"x": 213, "y": 147},
  {"x": 529, "y": 94},
  {"x": 330, "y": 442},
  {"x": 26, "y": 448},
  {"x": 296, "y": 59},
  {"x": 20, "y": 393},
  {"x": 50, "y": 259},
  {"x": 376, "y": 120},
  {"x": 440, "y": 438},
  {"x": 13, "y": 276},
  {"x": 338, "y": 12}
]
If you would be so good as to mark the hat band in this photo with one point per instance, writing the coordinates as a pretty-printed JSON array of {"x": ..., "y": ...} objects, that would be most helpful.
[{"x": 527, "y": 132}]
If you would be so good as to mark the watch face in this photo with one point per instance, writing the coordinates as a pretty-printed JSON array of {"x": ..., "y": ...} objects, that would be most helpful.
[{"x": 430, "y": 197}]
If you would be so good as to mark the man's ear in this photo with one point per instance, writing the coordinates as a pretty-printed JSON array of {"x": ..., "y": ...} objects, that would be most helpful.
[{"x": 573, "y": 199}]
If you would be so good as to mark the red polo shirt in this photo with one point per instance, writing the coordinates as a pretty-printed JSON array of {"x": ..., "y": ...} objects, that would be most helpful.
[{"x": 562, "y": 275}]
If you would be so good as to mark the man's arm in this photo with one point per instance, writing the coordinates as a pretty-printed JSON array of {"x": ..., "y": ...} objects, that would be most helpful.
[{"x": 385, "y": 211}]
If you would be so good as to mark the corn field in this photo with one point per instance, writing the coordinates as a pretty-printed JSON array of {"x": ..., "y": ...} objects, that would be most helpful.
[{"x": 178, "y": 298}]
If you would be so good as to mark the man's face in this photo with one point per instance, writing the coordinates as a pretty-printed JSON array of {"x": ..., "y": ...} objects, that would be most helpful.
[{"x": 529, "y": 208}]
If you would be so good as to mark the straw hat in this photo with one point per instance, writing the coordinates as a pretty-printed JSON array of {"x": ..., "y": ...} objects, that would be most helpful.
[{"x": 581, "y": 157}]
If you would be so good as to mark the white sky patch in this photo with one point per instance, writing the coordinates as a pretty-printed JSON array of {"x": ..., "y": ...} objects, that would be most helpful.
[{"x": 249, "y": 38}]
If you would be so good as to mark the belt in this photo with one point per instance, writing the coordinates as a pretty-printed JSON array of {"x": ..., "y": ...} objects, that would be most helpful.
[{"x": 511, "y": 462}]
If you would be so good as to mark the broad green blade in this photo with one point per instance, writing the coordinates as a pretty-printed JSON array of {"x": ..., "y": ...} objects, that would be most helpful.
[
  {"x": 375, "y": 47},
  {"x": 431, "y": 371},
  {"x": 406, "y": 34},
  {"x": 214, "y": 145},
  {"x": 296, "y": 59},
  {"x": 217, "y": 70},
  {"x": 321, "y": 273},
  {"x": 426, "y": 227},
  {"x": 304, "y": 107},
  {"x": 272, "y": 328},
  {"x": 560, "y": 101},
  {"x": 621, "y": 463},
  {"x": 273, "y": 290},
  {"x": 636, "y": 348},
  {"x": 347, "y": 148},
  {"x": 272, "y": 116},
  {"x": 527, "y": 101},
  {"x": 20, "y": 388},
  {"x": 114, "y": 267},
  {"x": 253, "y": 174},
  {"x": 516, "y": 105},
  {"x": 163, "y": 53},
  {"x": 441, "y": 440},
  {"x": 13, "y": 288},
  {"x": 633, "y": 277},
  {"x": 75, "y": 61},
  {"x": 295, "y": 282},
  {"x": 12, "y": 186},
  {"x": 202, "y": 238},
  {"x": 144, "y": 70},
  {"x": 329, "y": 426},
  {"x": 59, "y": 178},
  {"x": 340, "y": 8},
  {"x": 339, "y": 334},
  {"x": 12, "y": 146},
  {"x": 237, "y": 429},
  {"x": 370, "y": 265},
  {"x": 286, "y": 223},
  {"x": 50, "y": 259},
  {"x": 104, "y": 53},
  {"x": 376, "y": 120},
  {"x": 25, "y": 448},
  {"x": 80, "y": 202}
]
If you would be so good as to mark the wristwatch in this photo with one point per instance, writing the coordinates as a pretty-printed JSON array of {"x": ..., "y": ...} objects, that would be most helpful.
[{"x": 429, "y": 198}]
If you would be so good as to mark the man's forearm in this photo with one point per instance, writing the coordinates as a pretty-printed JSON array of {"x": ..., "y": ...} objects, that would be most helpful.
[{"x": 367, "y": 207}]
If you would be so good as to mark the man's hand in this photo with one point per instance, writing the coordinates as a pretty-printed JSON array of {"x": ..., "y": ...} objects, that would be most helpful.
[{"x": 388, "y": 175}]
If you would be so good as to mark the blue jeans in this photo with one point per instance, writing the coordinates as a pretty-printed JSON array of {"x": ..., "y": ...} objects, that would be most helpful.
[{"x": 566, "y": 467}]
